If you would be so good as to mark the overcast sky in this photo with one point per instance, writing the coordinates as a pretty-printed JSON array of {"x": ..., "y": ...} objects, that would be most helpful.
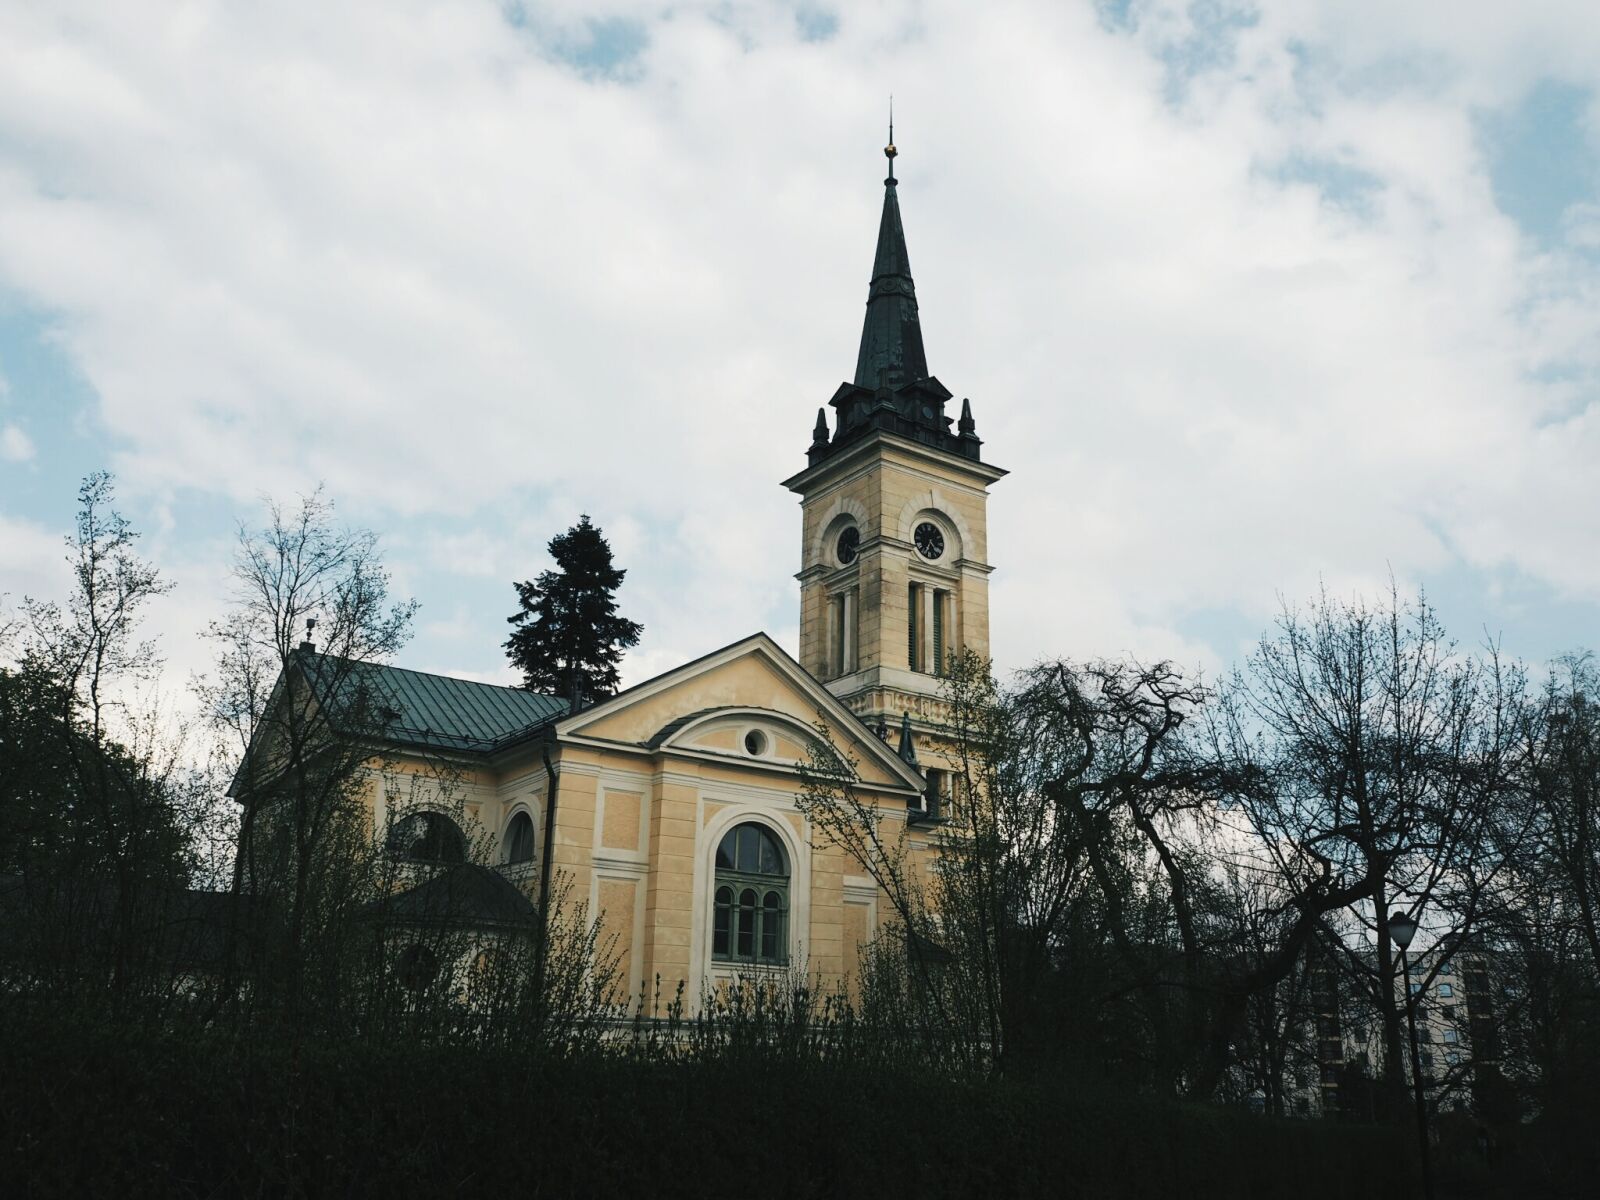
[{"x": 1245, "y": 296}]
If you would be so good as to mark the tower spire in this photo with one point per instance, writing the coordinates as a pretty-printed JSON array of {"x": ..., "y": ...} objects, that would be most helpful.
[
  {"x": 891, "y": 336},
  {"x": 889, "y": 151}
]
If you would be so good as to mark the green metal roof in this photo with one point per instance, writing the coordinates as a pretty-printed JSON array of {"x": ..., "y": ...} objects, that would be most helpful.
[
  {"x": 442, "y": 712},
  {"x": 437, "y": 710}
]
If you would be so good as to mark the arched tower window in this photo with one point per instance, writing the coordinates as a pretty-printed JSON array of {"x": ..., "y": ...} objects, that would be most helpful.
[
  {"x": 750, "y": 921},
  {"x": 428, "y": 837},
  {"x": 518, "y": 844}
]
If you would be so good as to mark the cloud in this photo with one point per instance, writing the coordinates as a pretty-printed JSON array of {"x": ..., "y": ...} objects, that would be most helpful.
[
  {"x": 15, "y": 445},
  {"x": 1232, "y": 294},
  {"x": 31, "y": 562}
]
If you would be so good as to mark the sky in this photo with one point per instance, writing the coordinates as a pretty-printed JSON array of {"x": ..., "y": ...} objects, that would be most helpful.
[{"x": 1250, "y": 299}]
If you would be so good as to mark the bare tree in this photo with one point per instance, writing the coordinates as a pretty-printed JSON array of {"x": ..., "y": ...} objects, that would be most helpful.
[
  {"x": 91, "y": 645},
  {"x": 1544, "y": 953},
  {"x": 1040, "y": 876},
  {"x": 1565, "y": 825},
  {"x": 1373, "y": 761},
  {"x": 878, "y": 843},
  {"x": 113, "y": 837},
  {"x": 305, "y": 723}
]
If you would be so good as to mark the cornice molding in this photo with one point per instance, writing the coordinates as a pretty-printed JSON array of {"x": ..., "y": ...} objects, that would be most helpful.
[{"x": 878, "y": 440}]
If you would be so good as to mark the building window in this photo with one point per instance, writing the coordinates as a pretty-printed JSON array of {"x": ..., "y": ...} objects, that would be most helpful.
[
  {"x": 913, "y": 626},
  {"x": 940, "y": 599},
  {"x": 428, "y": 837},
  {"x": 848, "y": 545},
  {"x": 955, "y": 794},
  {"x": 836, "y": 604},
  {"x": 750, "y": 916},
  {"x": 1449, "y": 1035},
  {"x": 416, "y": 968},
  {"x": 1447, "y": 968},
  {"x": 1446, "y": 991},
  {"x": 1452, "y": 1058},
  {"x": 755, "y": 743},
  {"x": 518, "y": 845},
  {"x": 842, "y": 609}
]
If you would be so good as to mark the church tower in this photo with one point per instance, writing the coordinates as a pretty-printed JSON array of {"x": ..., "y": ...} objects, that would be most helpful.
[{"x": 894, "y": 542}]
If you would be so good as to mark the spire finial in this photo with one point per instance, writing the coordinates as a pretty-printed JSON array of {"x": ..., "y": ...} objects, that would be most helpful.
[{"x": 889, "y": 151}]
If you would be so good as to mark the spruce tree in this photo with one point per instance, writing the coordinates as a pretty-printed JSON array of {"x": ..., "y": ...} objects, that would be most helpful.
[{"x": 569, "y": 638}]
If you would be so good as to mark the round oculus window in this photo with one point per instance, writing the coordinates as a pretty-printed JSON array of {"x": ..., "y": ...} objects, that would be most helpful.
[
  {"x": 929, "y": 541},
  {"x": 849, "y": 545},
  {"x": 755, "y": 743}
]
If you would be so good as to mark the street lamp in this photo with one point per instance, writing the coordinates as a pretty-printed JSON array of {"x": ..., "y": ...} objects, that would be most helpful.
[{"x": 1402, "y": 928}]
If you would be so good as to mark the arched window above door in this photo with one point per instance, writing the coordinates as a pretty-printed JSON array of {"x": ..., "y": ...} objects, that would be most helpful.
[{"x": 751, "y": 898}]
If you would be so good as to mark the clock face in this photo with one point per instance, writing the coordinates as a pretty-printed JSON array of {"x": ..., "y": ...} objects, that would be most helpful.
[
  {"x": 929, "y": 541},
  {"x": 849, "y": 545}
]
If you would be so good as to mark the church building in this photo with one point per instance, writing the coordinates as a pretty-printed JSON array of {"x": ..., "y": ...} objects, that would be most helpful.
[{"x": 670, "y": 807}]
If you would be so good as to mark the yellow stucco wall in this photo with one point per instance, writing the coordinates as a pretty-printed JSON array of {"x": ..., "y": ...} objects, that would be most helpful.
[
  {"x": 688, "y": 812},
  {"x": 636, "y": 825},
  {"x": 745, "y": 681},
  {"x": 620, "y": 828},
  {"x": 857, "y": 932},
  {"x": 615, "y": 904}
]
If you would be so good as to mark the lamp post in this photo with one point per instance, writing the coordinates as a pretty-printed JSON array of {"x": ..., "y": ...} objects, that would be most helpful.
[{"x": 1402, "y": 928}]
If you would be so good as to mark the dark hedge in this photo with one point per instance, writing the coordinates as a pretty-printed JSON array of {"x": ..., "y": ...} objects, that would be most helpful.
[{"x": 88, "y": 1114}]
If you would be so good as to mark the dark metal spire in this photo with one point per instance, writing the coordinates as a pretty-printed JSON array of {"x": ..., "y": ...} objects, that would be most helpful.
[
  {"x": 819, "y": 435},
  {"x": 891, "y": 337},
  {"x": 908, "y": 745},
  {"x": 892, "y": 391}
]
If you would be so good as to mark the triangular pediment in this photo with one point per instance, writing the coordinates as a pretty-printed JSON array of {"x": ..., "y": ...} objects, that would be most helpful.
[{"x": 706, "y": 708}]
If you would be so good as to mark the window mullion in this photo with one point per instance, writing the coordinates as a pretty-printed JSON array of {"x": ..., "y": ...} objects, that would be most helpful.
[{"x": 761, "y": 884}]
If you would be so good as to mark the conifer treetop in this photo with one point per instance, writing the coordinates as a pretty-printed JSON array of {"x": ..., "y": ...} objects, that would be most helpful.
[{"x": 568, "y": 637}]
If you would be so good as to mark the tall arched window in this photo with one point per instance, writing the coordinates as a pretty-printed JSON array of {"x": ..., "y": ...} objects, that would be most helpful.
[
  {"x": 518, "y": 845},
  {"x": 750, "y": 918},
  {"x": 428, "y": 837}
]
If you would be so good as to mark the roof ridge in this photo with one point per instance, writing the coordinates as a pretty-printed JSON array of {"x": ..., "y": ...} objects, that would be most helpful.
[{"x": 504, "y": 687}]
